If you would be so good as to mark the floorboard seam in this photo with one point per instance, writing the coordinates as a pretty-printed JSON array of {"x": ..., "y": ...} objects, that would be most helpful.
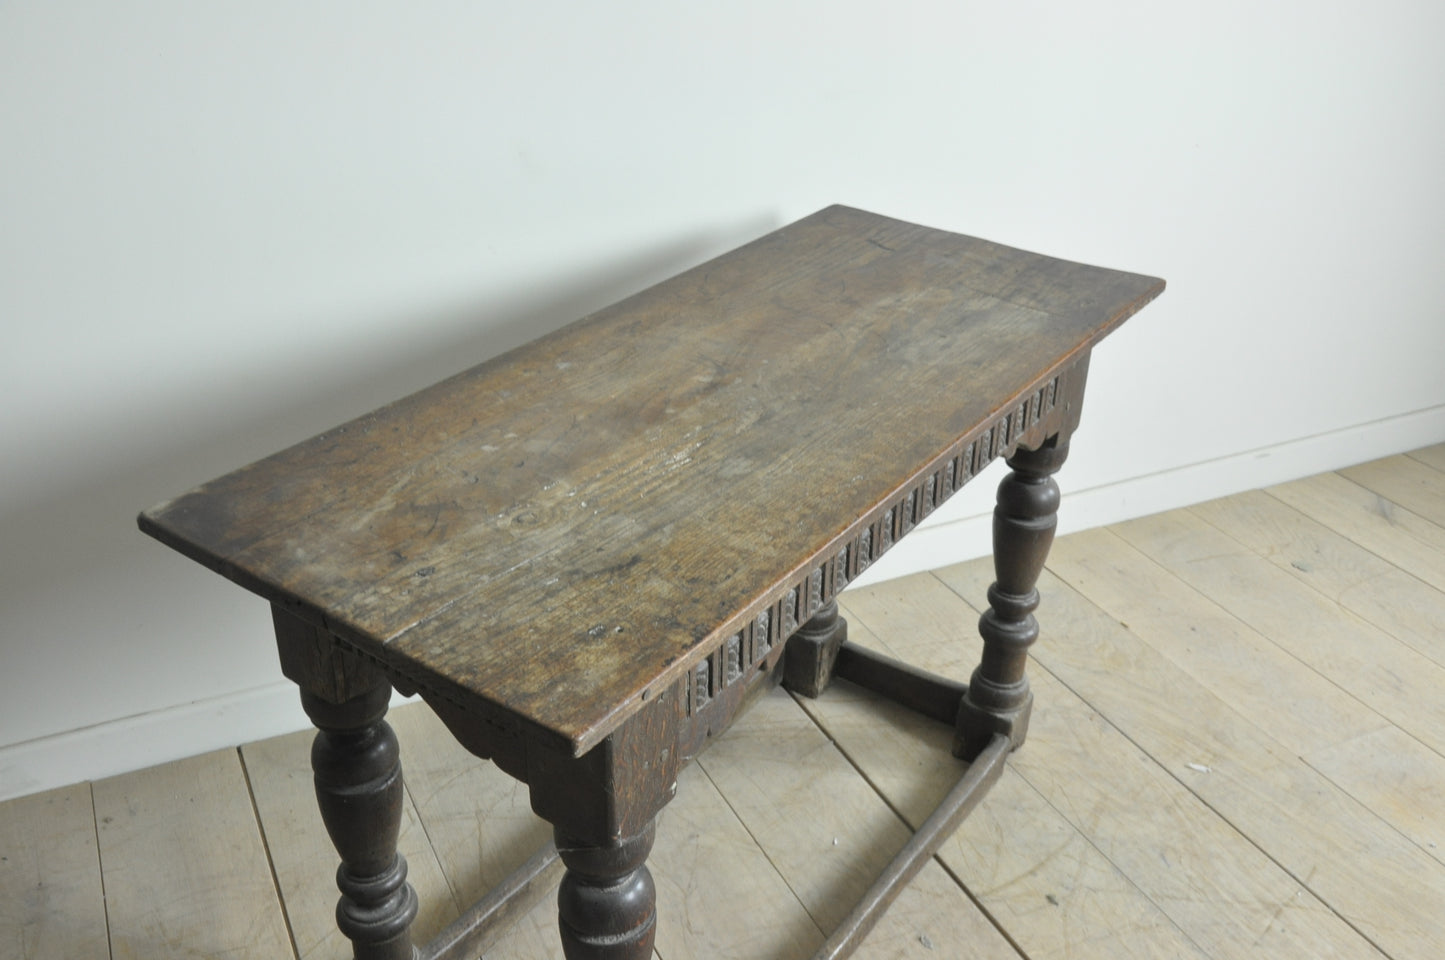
[
  {"x": 1309, "y": 583},
  {"x": 421, "y": 822},
  {"x": 266, "y": 848},
  {"x": 1413, "y": 456},
  {"x": 978, "y": 904},
  {"x": 100, "y": 868},
  {"x": 1269, "y": 636},
  {"x": 1155, "y": 760},
  {"x": 1225, "y": 611},
  {"x": 1357, "y": 543},
  {"x": 1303, "y": 884},
  {"x": 823, "y": 934},
  {"x": 1434, "y": 854}
]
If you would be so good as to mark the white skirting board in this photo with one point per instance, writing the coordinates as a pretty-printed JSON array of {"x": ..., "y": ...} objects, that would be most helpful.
[
  {"x": 132, "y": 743},
  {"x": 933, "y": 546}
]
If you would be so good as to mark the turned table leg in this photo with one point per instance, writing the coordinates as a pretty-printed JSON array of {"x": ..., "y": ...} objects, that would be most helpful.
[
  {"x": 606, "y": 903},
  {"x": 998, "y": 698},
  {"x": 359, "y": 789},
  {"x": 813, "y": 650}
]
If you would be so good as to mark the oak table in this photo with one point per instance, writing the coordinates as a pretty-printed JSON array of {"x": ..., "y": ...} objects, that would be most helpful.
[{"x": 588, "y": 553}]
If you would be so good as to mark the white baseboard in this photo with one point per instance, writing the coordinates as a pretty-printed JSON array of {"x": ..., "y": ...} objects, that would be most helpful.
[
  {"x": 933, "y": 546},
  {"x": 133, "y": 743}
]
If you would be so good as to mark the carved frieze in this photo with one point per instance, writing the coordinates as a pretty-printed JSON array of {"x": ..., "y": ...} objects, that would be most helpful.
[{"x": 797, "y": 602}]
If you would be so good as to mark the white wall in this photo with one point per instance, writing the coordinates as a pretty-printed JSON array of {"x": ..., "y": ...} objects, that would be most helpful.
[{"x": 224, "y": 227}]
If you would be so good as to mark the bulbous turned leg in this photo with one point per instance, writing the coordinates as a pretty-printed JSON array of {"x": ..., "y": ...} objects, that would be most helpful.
[
  {"x": 359, "y": 789},
  {"x": 606, "y": 903},
  {"x": 998, "y": 698}
]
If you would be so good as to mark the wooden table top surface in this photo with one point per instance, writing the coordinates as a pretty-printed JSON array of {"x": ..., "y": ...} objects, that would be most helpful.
[{"x": 564, "y": 529}]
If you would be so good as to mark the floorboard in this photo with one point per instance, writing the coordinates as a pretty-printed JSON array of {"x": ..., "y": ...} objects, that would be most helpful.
[
  {"x": 52, "y": 905},
  {"x": 829, "y": 835},
  {"x": 1182, "y": 857},
  {"x": 1404, "y": 481},
  {"x": 1398, "y": 778},
  {"x": 710, "y": 871},
  {"x": 185, "y": 869},
  {"x": 1238, "y": 750},
  {"x": 1054, "y": 892},
  {"x": 1392, "y": 532},
  {"x": 1397, "y": 601},
  {"x": 1383, "y": 673},
  {"x": 1433, "y": 456},
  {"x": 1271, "y": 688},
  {"x": 1372, "y": 876}
]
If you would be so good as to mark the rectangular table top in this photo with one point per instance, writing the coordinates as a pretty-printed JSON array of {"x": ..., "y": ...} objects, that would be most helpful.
[{"x": 566, "y": 528}]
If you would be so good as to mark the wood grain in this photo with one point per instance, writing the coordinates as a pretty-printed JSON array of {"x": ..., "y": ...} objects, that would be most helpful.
[
  {"x": 1376, "y": 523},
  {"x": 186, "y": 873},
  {"x": 1398, "y": 778},
  {"x": 1132, "y": 809},
  {"x": 718, "y": 895},
  {"x": 829, "y": 835},
  {"x": 1041, "y": 880},
  {"x": 1036, "y": 875},
  {"x": 1299, "y": 708},
  {"x": 1374, "y": 878},
  {"x": 548, "y": 533},
  {"x": 1386, "y": 675},
  {"x": 52, "y": 904},
  {"x": 1403, "y": 481},
  {"x": 1433, "y": 456},
  {"x": 1398, "y": 602}
]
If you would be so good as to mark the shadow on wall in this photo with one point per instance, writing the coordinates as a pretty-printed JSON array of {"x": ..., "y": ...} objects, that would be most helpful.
[{"x": 99, "y": 622}]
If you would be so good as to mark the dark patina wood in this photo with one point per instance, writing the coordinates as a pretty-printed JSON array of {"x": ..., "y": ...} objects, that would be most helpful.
[
  {"x": 359, "y": 790},
  {"x": 606, "y": 903},
  {"x": 357, "y": 766},
  {"x": 935, "y": 697},
  {"x": 813, "y": 651},
  {"x": 589, "y": 553},
  {"x": 998, "y": 698}
]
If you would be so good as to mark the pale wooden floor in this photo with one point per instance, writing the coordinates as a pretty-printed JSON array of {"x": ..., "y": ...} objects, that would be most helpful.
[{"x": 1238, "y": 751}]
